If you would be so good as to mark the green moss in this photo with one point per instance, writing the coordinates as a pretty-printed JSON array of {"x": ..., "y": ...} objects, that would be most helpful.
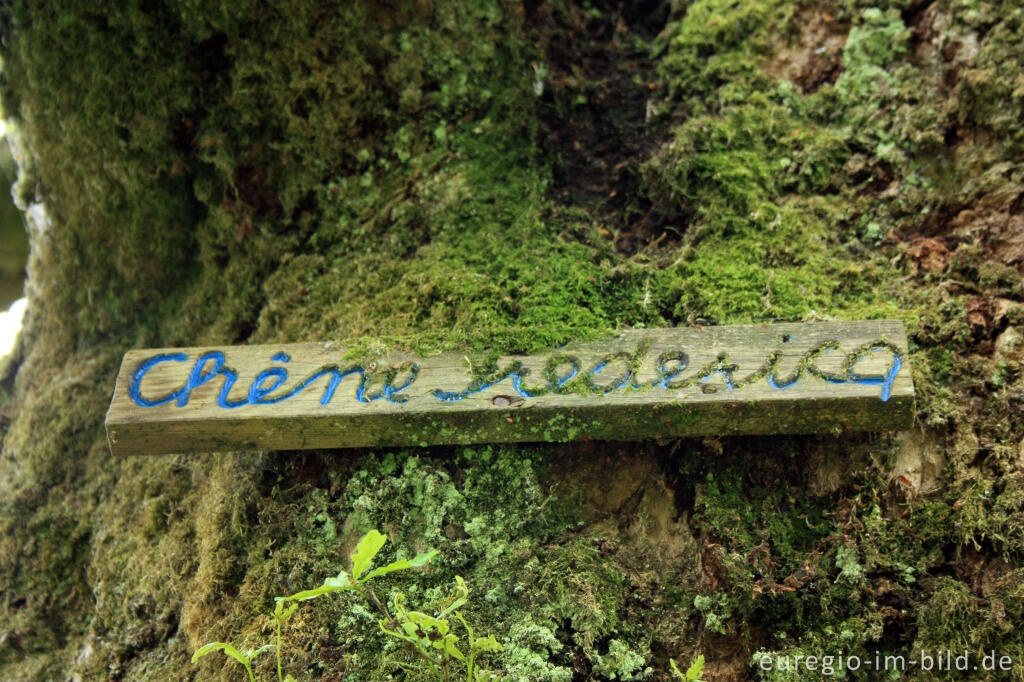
[
  {"x": 983, "y": 624},
  {"x": 712, "y": 56},
  {"x": 758, "y": 173},
  {"x": 621, "y": 663},
  {"x": 380, "y": 175},
  {"x": 987, "y": 101},
  {"x": 496, "y": 531}
]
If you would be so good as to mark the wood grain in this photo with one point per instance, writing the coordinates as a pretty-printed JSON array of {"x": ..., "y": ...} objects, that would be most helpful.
[{"x": 756, "y": 379}]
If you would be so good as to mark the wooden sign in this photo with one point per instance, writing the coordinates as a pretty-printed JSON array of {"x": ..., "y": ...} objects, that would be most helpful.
[{"x": 782, "y": 378}]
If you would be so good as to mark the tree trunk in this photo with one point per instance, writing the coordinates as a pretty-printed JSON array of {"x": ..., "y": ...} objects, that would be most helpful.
[{"x": 506, "y": 176}]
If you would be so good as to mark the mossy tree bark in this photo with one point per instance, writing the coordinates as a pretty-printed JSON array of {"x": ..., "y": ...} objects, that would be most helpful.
[
  {"x": 506, "y": 176},
  {"x": 13, "y": 242}
]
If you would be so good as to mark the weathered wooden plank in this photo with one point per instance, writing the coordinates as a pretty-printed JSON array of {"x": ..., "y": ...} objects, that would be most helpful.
[{"x": 781, "y": 378}]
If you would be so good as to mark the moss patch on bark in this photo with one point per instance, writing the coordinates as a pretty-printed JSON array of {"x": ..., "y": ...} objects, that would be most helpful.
[{"x": 219, "y": 174}]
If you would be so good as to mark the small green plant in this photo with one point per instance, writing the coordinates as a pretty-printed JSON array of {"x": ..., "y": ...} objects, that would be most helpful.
[
  {"x": 429, "y": 638},
  {"x": 432, "y": 638},
  {"x": 693, "y": 673},
  {"x": 243, "y": 657}
]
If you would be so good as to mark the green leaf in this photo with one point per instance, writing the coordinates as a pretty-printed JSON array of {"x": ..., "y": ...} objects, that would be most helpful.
[
  {"x": 426, "y": 622},
  {"x": 340, "y": 583},
  {"x": 279, "y": 611},
  {"x": 448, "y": 645},
  {"x": 459, "y": 596},
  {"x": 694, "y": 672},
  {"x": 416, "y": 562},
  {"x": 312, "y": 594},
  {"x": 220, "y": 646},
  {"x": 365, "y": 551},
  {"x": 253, "y": 653},
  {"x": 469, "y": 630},
  {"x": 393, "y": 633},
  {"x": 400, "y": 609},
  {"x": 487, "y": 644}
]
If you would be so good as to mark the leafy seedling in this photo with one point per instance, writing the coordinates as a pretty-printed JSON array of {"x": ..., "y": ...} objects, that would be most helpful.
[
  {"x": 432, "y": 639},
  {"x": 362, "y": 558},
  {"x": 693, "y": 673},
  {"x": 245, "y": 658}
]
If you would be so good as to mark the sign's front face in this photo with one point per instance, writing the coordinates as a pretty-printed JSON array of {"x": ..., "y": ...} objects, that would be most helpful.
[{"x": 799, "y": 378}]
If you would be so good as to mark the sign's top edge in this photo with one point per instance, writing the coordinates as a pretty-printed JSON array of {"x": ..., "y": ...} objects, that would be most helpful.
[{"x": 397, "y": 342}]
